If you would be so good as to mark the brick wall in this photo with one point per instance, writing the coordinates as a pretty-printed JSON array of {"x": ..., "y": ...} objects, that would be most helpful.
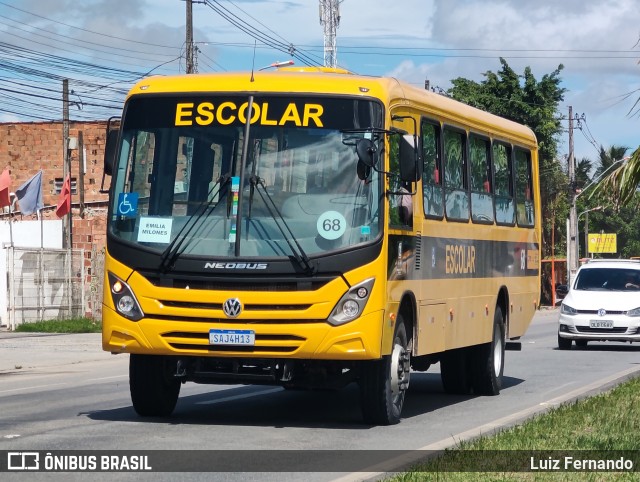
[{"x": 27, "y": 147}]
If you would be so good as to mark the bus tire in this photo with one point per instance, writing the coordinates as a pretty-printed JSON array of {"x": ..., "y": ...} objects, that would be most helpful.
[
  {"x": 454, "y": 372},
  {"x": 383, "y": 383},
  {"x": 154, "y": 389},
  {"x": 488, "y": 360}
]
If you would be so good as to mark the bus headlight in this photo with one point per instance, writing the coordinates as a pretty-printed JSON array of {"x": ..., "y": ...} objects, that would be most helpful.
[
  {"x": 123, "y": 299},
  {"x": 352, "y": 303}
]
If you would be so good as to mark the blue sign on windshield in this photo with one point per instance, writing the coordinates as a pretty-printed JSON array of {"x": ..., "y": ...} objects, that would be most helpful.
[{"x": 127, "y": 204}]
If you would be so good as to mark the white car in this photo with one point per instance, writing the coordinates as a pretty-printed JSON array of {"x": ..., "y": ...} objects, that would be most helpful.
[{"x": 603, "y": 304}]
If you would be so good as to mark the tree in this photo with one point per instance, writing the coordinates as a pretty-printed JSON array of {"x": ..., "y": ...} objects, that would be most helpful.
[
  {"x": 582, "y": 172},
  {"x": 621, "y": 184},
  {"x": 608, "y": 157},
  {"x": 523, "y": 99}
]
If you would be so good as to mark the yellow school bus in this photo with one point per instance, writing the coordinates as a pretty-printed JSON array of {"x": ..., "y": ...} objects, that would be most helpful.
[{"x": 312, "y": 228}]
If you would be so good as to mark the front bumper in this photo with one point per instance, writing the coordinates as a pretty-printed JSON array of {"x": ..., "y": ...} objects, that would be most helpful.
[
  {"x": 357, "y": 340},
  {"x": 578, "y": 327}
]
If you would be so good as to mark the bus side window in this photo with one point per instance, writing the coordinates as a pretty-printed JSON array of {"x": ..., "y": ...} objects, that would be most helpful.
[
  {"x": 503, "y": 187},
  {"x": 401, "y": 203},
  {"x": 455, "y": 183},
  {"x": 524, "y": 198},
  {"x": 431, "y": 174},
  {"x": 481, "y": 192}
]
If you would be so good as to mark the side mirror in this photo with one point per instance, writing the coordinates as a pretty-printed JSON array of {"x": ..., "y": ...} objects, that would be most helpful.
[
  {"x": 110, "y": 151},
  {"x": 110, "y": 145},
  {"x": 410, "y": 165},
  {"x": 562, "y": 290},
  {"x": 366, "y": 150}
]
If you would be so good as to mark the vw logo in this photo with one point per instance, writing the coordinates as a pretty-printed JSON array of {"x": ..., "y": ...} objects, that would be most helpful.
[
  {"x": 602, "y": 312},
  {"x": 232, "y": 307}
]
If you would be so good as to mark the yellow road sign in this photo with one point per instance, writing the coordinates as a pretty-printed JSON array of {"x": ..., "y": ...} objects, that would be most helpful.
[{"x": 603, "y": 243}]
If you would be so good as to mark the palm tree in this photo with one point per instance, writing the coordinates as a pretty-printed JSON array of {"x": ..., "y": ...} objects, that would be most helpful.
[
  {"x": 582, "y": 172},
  {"x": 608, "y": 157},
  {"x": 621, "y": 184}
]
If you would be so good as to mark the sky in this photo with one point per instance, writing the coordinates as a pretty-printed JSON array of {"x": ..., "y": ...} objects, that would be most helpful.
[{"x": 104, "y": 46}]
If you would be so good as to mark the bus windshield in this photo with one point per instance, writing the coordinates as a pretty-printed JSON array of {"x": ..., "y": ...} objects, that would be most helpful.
[{"x": 179, "y": 183}]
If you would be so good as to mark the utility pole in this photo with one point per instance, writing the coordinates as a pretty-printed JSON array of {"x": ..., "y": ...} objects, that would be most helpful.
[
  {"x": 189, "y": 40},
  {"x": 66, "y": 159},
  {"x": 330, "y": 19},
  {"x": 572, "y": 227}
]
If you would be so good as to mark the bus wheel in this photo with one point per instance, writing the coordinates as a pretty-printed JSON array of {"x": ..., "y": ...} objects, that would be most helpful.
[
  {"x": 383, "y": 383},
  {"x": 154, "y": 389},
  {"x": 454, "y": 372},
  {"x": 488, "y": 360}
]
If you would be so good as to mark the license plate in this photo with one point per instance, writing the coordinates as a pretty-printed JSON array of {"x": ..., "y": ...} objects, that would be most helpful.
[
  {"x": 232, "y": 337},
  {"x": 601, "y": 323}
]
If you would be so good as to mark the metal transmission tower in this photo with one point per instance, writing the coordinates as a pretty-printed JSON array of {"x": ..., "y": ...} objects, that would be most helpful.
[{"x": 330, "y": 19}]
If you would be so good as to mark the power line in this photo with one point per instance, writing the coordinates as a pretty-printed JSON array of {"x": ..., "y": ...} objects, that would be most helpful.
[{"x": 88, "y": 31}]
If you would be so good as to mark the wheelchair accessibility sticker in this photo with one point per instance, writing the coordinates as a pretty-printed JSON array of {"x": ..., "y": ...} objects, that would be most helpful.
[{"x": 128, "y": 204}]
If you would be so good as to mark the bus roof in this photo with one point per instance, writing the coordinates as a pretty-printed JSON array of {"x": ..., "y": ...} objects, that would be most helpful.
[{"x": 340, "y": 82}]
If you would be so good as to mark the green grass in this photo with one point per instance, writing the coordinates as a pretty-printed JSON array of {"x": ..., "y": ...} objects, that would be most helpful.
[
  {"x": 605, "y": 424},
  {"x": 76, "y": 325}
]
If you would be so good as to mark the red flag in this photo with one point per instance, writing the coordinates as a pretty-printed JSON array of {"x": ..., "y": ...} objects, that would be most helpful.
[
  {"x": 64, "y": 201},
  {"x": 5, "y": 188}
]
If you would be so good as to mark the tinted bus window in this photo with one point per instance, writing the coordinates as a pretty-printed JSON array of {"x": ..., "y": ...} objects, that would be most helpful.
[
  {"x": 481, "y": 192},
  {"x": 432, "y": 172},
  {"x": 456, "y": 198},
  {"x": 503, "y": 188},
  {"x": 524, "y": 198}
]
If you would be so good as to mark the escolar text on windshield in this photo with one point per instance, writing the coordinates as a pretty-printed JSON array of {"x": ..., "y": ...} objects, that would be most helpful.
[{"x": 228, "y": 112}]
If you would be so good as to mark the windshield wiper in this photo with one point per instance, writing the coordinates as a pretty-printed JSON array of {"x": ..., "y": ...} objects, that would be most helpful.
[
  {"x": 299, "y": 254},
  {"x": 171, "y": 252}
]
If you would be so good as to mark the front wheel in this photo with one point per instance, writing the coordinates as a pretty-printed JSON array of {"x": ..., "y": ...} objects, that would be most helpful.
[
  {"x": 383, "y": 383},
  {"x": 153, "y": 386},
  {"x": 564, "y": 343}
]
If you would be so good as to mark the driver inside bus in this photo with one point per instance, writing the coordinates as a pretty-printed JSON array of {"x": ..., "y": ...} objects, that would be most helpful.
[{"x": 406, "y": 205}]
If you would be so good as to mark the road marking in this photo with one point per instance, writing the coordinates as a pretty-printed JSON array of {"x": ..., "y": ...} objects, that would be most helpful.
[
  {"x": 106, "y": 378},
  {"x": 402, "y": 462},
  {"x": 239, "y": 397},
  {"x": 33, "y": 387}
]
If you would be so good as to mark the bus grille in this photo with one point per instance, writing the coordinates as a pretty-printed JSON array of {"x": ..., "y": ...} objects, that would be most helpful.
[
  {"x": 418, "y": 252},
  {"x": 218, "y": 306},
  {"x": 236, "y": 283},
  {"x": 265, "y": 344}
]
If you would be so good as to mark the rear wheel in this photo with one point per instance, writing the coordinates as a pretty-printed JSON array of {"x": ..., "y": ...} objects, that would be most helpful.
[
  {"x": 154, "y": 389},
  {"x": 454, "y": 371},
  {"x": 383, "y": 383},
  {"x": 487, "y": 361},
  {"x": 564, "y": 343}
]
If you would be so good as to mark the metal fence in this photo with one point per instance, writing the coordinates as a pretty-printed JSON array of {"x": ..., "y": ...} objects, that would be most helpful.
[{"x": 45, "y": 284}]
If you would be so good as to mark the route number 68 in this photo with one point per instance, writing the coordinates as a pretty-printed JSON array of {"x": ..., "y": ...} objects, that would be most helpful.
[{"x": 331, "y": 225}]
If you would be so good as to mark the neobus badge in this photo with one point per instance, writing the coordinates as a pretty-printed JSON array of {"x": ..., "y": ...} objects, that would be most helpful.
[
  {"x": 206, "y": 113},
  {"x": 460, "y": 259}
]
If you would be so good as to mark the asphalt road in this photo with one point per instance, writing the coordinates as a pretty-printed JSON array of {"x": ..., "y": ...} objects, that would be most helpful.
[{"x": 60, "y": 392}]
